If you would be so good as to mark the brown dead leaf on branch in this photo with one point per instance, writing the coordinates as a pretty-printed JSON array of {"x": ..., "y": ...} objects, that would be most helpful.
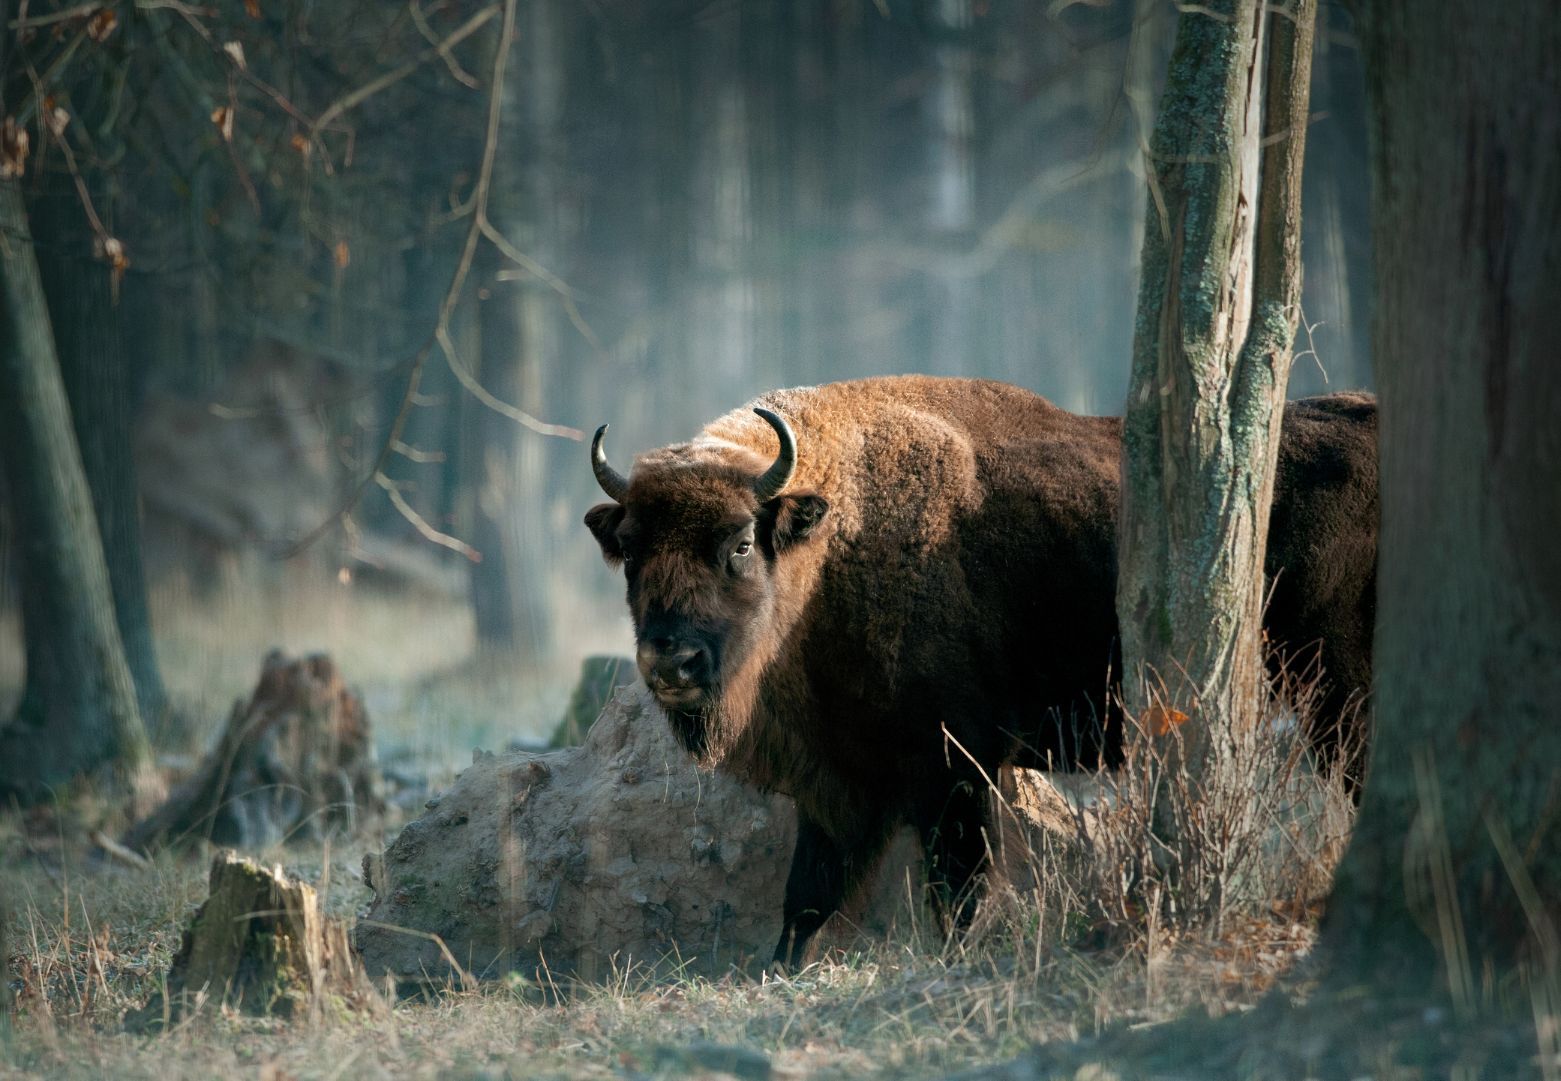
[
  {"x": 1163, "y": 720},
  {"x": 102, "y": 24},
  {"x": 14, "y": 147},
  {"x": 222, "y": 116}
]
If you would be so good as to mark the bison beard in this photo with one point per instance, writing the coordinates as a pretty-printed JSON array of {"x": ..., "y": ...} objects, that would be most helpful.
[{"x": 824, "y": 603}]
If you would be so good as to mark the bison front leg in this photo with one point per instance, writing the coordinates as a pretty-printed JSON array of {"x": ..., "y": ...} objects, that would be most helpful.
[
  {"x": 954, "y": 840},
  {"x": 824, "y": 872}
]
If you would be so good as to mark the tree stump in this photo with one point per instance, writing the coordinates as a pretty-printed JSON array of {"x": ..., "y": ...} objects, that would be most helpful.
[
  {"x": 296, "y": 762},
  {"x": 261, "y": 944}
]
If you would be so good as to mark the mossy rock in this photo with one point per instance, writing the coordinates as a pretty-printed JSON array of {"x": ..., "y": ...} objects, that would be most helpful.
[{"x": 599, "y": 678}]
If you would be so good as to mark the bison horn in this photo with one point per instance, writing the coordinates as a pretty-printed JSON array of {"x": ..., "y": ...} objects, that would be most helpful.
[
  {"x": 614, "y": 483},
  {"x": 775, "y": 479}
]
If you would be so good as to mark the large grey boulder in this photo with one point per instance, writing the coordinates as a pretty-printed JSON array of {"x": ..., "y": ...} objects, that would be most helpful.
[{"x": 571, "y": 861}]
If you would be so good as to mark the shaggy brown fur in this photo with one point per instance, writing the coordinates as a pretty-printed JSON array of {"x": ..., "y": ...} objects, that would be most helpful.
[{"x": 941, "y": 564}]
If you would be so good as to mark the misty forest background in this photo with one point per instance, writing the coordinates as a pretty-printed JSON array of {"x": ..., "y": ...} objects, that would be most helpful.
[{"x": 692, "y": 202}]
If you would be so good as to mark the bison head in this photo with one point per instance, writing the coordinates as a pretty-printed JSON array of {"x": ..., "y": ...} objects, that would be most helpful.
[{"x": 704, "y": 532}]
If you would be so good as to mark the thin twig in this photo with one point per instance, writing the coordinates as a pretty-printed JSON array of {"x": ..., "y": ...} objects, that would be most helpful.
[
  {"x": 397, "y": 426},
  {"x": 390, "y": 78},
  {"x": 80, "y": 11},
  {"x": 479, "y": 228},
  {"x": 458, "y": 73},
  {"x": 421, "y": 524}
]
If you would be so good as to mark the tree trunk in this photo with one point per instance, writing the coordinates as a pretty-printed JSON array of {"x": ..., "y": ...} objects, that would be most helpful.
[
  {"x": 517, "y": 330},
  {"x": 1217, "y": 311},
  {"x": 500, "y": 582},
  {"x": 79, "y": 709},
  {"x": 951, "y": 213},
  {"x": 1455, "y": 867},
  {"x": 294, "y": 763},
  {"x": 94, "y": 364}
]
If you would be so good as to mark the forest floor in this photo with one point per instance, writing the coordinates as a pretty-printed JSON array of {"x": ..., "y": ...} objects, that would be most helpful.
[{"x": 91, "y": 937}]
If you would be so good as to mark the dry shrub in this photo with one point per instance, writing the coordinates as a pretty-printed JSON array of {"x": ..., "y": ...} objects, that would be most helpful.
[{"x": 1159, "y": 846}]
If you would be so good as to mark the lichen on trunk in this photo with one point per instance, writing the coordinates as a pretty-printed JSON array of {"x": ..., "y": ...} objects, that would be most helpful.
[{"x": 1217, "y": 310}]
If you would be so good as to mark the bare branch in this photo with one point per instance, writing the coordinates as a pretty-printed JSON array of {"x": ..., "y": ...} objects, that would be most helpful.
[
  {"x": 479, "y": 228},
  {"x": 458, "y": 73},
  {"x": 64, "y": 15},
  {"x": 390, "y": 78},
  {"x": 421, "y": 524},
  {"x": 441, "y": 338}
]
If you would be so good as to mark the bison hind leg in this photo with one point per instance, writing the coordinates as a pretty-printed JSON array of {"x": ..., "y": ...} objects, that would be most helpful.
[{"x": 954, "y": 838}]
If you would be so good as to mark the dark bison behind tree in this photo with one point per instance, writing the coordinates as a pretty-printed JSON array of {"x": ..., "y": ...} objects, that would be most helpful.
[{"x": 870, "y": 595}]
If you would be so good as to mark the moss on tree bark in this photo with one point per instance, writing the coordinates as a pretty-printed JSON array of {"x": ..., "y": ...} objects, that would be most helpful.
[{"x": 1217, "y": 311}]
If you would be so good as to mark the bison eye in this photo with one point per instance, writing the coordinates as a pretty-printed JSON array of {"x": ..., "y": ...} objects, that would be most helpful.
[{"x": 743, "y": 548}]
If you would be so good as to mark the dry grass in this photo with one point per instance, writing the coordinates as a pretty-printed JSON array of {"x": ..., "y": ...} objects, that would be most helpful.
[
  {"x": 1191, "y": 833},
  {"x": 90, "y": 939}
]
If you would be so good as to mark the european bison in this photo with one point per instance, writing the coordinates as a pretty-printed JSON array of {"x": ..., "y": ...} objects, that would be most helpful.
[{"x": 827, "y": 584}]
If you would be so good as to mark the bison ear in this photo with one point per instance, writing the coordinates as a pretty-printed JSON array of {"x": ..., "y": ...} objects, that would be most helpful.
[
  {"x": 793, "y": 517},
  {"x": 602, "y": 520}
]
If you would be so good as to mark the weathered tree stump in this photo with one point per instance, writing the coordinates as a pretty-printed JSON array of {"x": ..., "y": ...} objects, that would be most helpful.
[
  {"x": 296, "y": 762},
  {"x": 261, "y": 944}
]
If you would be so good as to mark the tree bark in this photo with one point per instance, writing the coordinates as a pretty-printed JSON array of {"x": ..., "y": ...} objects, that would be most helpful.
[
  {"x": 1455, "y": 867},
  {"x": 78, "y": 709},
  {"x": 500, "y": 582},
  {"x": 95, "y": 366},
  {"x": 1217, "y": 311}
]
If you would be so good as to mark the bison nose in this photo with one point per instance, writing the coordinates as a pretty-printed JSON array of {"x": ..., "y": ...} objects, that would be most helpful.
[{"x": 669, "y": 663}]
